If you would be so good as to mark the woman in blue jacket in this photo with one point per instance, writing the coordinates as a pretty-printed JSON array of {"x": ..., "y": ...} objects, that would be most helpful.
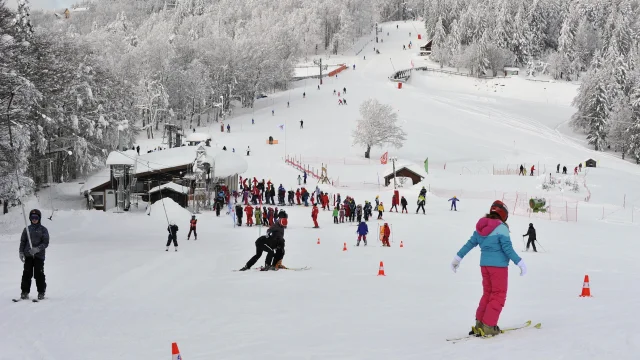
[{"x": 492, "y": 235}]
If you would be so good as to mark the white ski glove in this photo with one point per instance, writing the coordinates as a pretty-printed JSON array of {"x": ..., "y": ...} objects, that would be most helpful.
[
  {"x": 22, "y": 257},
  {"x": 523, "y": 268},
  {"x": 455, "y": 263}
]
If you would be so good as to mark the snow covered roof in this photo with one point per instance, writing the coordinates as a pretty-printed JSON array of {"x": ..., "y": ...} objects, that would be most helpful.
[
  {"x": 122, "y": 158},
  {"x": 226, "y": 163},
  {"x": 413, "y": 167},
  {"x": 171, "y": 186},
  {"x": 198, "y": 137},
  {"x": 100, "y": 178}
]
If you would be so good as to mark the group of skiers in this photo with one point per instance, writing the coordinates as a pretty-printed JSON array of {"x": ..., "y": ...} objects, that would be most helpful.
[
  {"x": 264, "y": 216},
  {"x": 576, "y": 170}
]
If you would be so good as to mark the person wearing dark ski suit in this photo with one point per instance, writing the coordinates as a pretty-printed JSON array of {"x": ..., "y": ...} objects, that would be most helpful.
[
  {"x": 173, "y": 235},
  {"x": 531, "y": 234},
  {"x": 362, "y": 231},
  {"x": 404, "y": 203},
  {"x": 421, "y": 202},
  {"x": 192, "y": 227},
  {"x": 454, "y": 200},
  {"x": 270, "y": 244},
  {"x": 239, "y": 214},
  {"x": 33, "y": 258}
]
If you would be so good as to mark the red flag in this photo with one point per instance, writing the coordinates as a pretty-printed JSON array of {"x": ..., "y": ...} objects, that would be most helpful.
[{"x": 384, "y": 158}]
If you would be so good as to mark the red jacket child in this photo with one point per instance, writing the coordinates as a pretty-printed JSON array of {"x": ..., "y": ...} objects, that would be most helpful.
[
  {"x": 298, "y": 195},
  {"x": 385, "y": 235},
  {"x": 249, "y": 211},
  {"x": 314, "y": 216}
]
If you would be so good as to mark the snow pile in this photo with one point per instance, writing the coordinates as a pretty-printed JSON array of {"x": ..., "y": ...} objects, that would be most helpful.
[
  {"x": 198, "y": 137},
  {"x": 174, "y": 212}
]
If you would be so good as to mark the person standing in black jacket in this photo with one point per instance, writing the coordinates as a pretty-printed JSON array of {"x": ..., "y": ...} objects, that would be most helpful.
[
  {"x": 173, "y": 235},
  {"x": 403, "y": 202},
  {"x": 531, "y": 233},
  {"x": 33, "y": 257},
  {"x": 239, "y": 214},
  {"x": 272, "y": 244}
]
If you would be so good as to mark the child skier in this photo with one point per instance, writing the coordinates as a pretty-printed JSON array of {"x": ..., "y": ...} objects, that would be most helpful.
[
  {"x": 249, "y": 211},
  {"x": 336, "y": 212},
  {"x": 492, "y": 235},
  {"x": 173, "y": 235},
  {"x": 531, "y": 234},
  {"x": 453, "y": 200},
  {"x": 362, "y": 231},
  {"x": 192, "y": 227},
  {"x": 258, "y": 216},
  {"x": 33, "y": 257},
  {"x": 380, "y": 211},
  {"x": 341, "y": 213},
  {"x": 314, "y": 216},
  {"x": 239, "y": 214},
  {"x": 385, "y": 235}
]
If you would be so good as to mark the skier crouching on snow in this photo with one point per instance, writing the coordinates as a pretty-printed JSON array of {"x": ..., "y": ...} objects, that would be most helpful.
[
  {"x": 269, "y": 243},
  {"x": 173, "y": 235},
  {"x": 33, "y": 257},
  {"x": 492, "y": 235}
]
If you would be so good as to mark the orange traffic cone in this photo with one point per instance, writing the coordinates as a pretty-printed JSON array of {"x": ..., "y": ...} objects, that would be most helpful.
[
  {"x": 381, "y": 269},
  {"x": 586, "y": 291},
  {"x": 345, "y": 247},
  {"x": 175, "y": 353},
  {"x": 401, "y": 243},
  {"x": 318, "y": 241}
]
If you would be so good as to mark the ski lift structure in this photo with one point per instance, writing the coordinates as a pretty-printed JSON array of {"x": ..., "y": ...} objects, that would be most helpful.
[
  {"x": 123, "y": 168},
  {"x": 200, "y": 175}
]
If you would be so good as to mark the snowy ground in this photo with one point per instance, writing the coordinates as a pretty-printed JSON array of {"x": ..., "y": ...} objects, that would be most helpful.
[{"x": 115, "y": 293}]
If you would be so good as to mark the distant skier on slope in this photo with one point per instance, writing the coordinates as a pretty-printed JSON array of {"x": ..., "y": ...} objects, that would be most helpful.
[
  {"x": 531, "y": 234},
  {"x": 192, "y": 227},
  {"x": 269, "y": 243},
  {"x": 492, "y": 235},
  {"x": 454, "y": 200}
]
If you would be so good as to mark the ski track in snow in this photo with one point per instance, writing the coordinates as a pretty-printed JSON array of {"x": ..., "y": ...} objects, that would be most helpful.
[{"x": 113, "y": 291}]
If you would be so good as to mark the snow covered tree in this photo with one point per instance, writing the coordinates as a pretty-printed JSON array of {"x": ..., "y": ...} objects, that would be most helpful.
[
  {"x": 440, "y": 51},
  {"x": 377, "y": 126},
  {"x": 594, "y": 103}
]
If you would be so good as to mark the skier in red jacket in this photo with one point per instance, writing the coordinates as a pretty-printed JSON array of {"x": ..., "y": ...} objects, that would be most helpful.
[
  {"x": 249, "y": 211},
  {"x": 298, "y": 195},
  {"x": 314, "y": 216},
  {"x": 192, "y": 227}
]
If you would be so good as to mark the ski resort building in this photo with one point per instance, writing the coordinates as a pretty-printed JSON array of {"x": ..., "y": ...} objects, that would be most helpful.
[
  {"x": 130, "y": 177},
  {"x": 403, "y": 171}
]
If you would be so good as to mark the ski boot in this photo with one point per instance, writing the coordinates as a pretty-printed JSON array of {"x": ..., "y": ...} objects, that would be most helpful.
[
  {"x": 176, "y": 249},
  {"x": 244, "y": 268},
  {"x": 487, "y": 331},
  {"x": 365, "y": 243},
  {"x": 41, "y": 296},
  {"x": 474, "y": 329},
  {"x": 167, "y": 249},
  {"x": 358, "y": 243},
  {"x": 24, "y": 296}
]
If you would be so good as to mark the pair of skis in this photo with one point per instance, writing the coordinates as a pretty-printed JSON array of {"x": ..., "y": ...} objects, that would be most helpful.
[
  {"x": 32, "y": 300},
  {"x": 288, "y": 268},
  {"x": 526, "y": 325}
]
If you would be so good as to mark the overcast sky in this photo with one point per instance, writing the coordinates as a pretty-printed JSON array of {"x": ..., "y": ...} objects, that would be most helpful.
[{"x": 44, "y": 4}]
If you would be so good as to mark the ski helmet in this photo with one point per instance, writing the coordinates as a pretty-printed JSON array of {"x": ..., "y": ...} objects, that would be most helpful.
[
  {"x": 499, "y": 208},
  {"x": 35, "y": 213},
  {"x": 283, "y": 222}
]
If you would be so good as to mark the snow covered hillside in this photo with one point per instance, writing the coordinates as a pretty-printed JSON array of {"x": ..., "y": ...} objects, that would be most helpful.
[{"x": 113, "y": 292}]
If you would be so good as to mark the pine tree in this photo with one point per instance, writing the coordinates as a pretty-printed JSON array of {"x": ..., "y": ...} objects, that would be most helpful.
[{"x": 594, "y": 103}]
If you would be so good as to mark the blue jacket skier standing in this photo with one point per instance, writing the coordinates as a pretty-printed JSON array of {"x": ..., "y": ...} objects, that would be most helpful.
[{"x": 454, "y": 200}]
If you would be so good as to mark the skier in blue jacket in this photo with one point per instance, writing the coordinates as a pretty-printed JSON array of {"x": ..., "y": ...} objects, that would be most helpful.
[
  {"x": 363, "y": 230},
  {"x": 496, "y": 250},
  {"x": 454, "y": 200}
]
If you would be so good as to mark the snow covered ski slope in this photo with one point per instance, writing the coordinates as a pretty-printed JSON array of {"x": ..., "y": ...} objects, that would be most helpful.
[{"x": 113, "y": 292}]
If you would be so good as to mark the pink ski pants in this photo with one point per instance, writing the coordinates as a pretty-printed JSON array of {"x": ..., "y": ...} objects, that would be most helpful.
[{"x": 494, "y": 294}]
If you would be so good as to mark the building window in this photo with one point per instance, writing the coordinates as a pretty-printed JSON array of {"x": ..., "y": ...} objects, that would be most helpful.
[{"x": 98, "y": 199}]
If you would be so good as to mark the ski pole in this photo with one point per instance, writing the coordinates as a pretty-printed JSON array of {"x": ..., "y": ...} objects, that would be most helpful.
[{"x": 543, "y": 249}]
